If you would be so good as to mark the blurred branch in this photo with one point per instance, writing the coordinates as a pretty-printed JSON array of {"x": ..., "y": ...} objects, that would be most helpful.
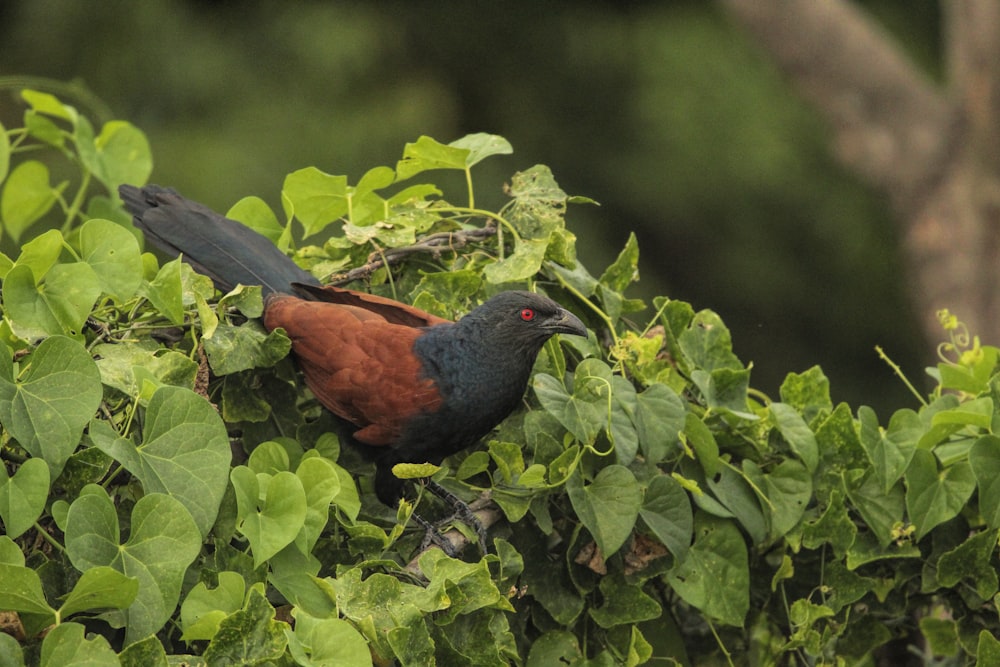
[
  {"x": 935, "y": 151},
  {"x": 972, "y": 41},
  {"x": 891, "y": 123}
]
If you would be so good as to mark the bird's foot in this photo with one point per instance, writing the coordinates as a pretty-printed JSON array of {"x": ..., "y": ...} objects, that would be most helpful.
[
  {"x": 433, "y": 535},
  {"x": 460, "y": 512}
]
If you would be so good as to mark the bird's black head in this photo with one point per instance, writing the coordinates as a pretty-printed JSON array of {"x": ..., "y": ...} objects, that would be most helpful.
[{"x": 524, "y": 316}]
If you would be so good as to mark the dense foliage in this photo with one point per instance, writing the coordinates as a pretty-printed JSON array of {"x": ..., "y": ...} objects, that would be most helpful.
[{"x": 170, "y": 492}]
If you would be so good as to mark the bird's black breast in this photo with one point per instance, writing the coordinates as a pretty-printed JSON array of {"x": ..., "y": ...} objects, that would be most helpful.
[{"x": 480, "y": 380}]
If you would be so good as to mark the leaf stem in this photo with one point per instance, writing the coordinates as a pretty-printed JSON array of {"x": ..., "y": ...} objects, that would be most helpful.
[
  {"x": 899, "y": 372},
  {"x": 593, "y": 306},
  {"x": 77, "y": 203},
  {"x": 48, "y": 538}
]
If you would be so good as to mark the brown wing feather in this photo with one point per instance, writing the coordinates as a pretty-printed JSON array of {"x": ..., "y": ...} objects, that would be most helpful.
[
  {"x": 392, "y": 311},
  {"x": 360, "y": 366}
]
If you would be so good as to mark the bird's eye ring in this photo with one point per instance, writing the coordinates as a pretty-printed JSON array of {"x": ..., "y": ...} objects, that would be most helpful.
[{"x": 527, "y": 314}]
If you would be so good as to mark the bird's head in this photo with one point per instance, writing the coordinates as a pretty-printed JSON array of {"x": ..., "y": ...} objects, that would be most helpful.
[{"x": 524, "y": 316}]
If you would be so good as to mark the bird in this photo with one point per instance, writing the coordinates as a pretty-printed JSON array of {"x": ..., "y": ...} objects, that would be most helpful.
[{"x": 409, "y": 386}]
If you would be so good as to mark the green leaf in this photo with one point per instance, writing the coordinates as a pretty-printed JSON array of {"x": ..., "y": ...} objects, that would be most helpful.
[
  {"x": 165, "y": 291},
  {"x": 481, "y": 146},
  {"x": 666, "y": 509},
  {"x": 699, "y": 437},
  {"x": 328, "y": 641},
  {"x": 10, "y": 553},
  {"x": 794, "y": 430},
  {"x": 625, "y": 269},
  {"x": 11, "y": 653},
  {"x": 834, "y": 526},
  {"x": 807, "y": 392},
  {"x": 971, "y": 562},
  {"x": 100, "y": 588},
  {"x": 50, "y": 105},
  {"x": 880, "y": 510},
  {"x": 707, "y": 343},
  {"x": 788, "y": 489},
  {"x": 555, "y": 647},
  {"x": 539, "y": 206},
  {"x": 978, "y": 412},
  {"x": 162, "y": 542},
  {"x": 148, "y": 652},
  {"x": 583, "y": 418},
  {"x": 66, "y": 646},
  {"x": 113, "y": 253},
  {"x": 27, "y": 196},
  {"x": 269, "y": 517},
  {"x": 120, "y": 366},
  {"x": 68, "y": 293},
  {"x": 22, "y": 591},
  {"x": 660, "y": 418},
  {"x": 715, "y": 577},
  {"x": 890, "y": 452},
  {"x": 321, "y": 484},
  {"x": 608, "y": 506},
  {"x": 120, "y": 154},
  {"x": 426, "y": 153},
  {"x": 204, "y": 609},
  {"x": 47, "y": 407},
  {"x": 621, "y": 429},
  {"x": 258, "y": 216},
  {"x": 184, "y": 452},
  {"x": 41, "y": 252},
  {"x": 523, "y": 263},
  {"x": 23, "y": 496},
  {"x": 933, "y": 496},
  {"x": 624, "y": 603},
  {"x": 317, "y": 198},
  {"x": 984, "y": 457},
  {"x": 233, "y": 349},
  {"x": 941, "y": 635},
  {"x": 250, "y": 636},
  {"x": 988, "y": 649}
]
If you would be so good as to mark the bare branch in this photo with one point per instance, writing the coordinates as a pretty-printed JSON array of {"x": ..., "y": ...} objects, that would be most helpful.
[{"x": 434, "y": 244}]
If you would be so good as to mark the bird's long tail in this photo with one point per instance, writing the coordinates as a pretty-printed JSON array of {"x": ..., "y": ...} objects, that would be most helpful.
[{"x": 227, "y": 251}]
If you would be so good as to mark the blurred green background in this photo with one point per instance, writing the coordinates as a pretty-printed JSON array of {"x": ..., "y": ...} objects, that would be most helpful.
[{"x": 661, "y": 111}]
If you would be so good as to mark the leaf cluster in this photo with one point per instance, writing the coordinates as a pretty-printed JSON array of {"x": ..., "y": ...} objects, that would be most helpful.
[{"x": 169, "y": 491}]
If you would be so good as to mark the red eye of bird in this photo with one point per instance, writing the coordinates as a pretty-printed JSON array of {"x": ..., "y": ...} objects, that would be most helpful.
[{"x": 527, "y": 314}]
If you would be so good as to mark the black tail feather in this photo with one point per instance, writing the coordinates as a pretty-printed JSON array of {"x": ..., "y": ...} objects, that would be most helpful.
[{"x": 227, "y": 251}]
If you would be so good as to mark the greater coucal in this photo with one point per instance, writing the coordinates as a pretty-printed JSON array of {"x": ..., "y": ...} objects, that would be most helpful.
[{"x": 414, "y": 387}]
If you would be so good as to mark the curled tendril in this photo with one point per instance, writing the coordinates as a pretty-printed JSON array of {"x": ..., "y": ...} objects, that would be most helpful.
[{"x": 962, "y": 347}]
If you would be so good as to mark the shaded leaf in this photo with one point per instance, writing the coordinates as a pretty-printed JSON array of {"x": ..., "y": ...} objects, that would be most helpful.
[
  {"x": 47, "y": 407},
  {"x": 23, "y": 496},
  {"x": 163, "y": 541},
  {"x": 715, "y": 576},
  {"x": 608, "y": 506}
]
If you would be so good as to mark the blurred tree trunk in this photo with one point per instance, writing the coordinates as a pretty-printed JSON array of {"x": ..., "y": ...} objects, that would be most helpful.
[{"x": 933, "y": 150}]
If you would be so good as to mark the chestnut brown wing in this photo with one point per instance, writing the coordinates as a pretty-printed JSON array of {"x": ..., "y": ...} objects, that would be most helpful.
[
  {"x": 360, "y": 366},
  {"x": 392, "y": 311}
]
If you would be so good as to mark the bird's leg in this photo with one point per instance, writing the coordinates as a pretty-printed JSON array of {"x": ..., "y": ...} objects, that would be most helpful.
[
  {"x": 461, "y": 511},
  {"x": 432, "y": 536}
]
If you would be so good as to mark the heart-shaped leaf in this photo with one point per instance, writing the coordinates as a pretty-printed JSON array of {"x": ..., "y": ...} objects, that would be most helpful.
[
  {"x": 22, "y": 497},
  {"x": 184, "y": 452},
  {"x": 113, "y": 253},
  {"x": 269, "y": 520},
  {"x": 608, "y": 506},
  {"x": 100, "y": 588},
  {"x": 47, "y": 407},
  {"x": 163, "y": 541}
]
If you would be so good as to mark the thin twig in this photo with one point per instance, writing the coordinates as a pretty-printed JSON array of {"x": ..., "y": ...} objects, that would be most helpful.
[{"x": 434, "y": 244}]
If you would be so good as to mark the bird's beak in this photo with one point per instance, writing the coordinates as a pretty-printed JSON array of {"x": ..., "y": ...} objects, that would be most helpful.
[{"x": 566, "y": 322}]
